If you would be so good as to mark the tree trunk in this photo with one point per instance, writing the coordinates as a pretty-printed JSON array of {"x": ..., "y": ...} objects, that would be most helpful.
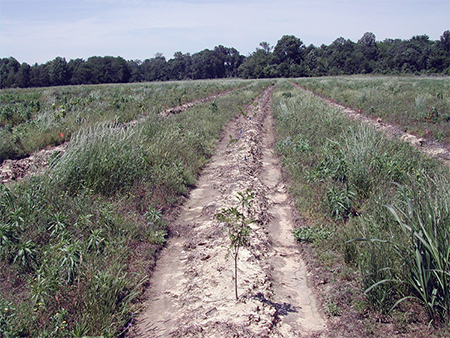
[{"x": 235, "y": 276}]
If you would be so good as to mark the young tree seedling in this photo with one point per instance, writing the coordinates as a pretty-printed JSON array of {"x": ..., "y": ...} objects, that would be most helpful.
[{"x": 237, "y": 224}]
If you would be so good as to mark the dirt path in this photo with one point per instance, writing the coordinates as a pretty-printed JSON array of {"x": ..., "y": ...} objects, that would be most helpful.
[{"x": 191, "y": 293}]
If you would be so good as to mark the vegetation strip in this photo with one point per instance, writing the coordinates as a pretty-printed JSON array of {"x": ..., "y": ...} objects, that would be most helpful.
[
  {"x": 429, "y": 147},
  {"x": 17, "y": 169},
  {"x": 188, "y": 105},
  {"x": 32, "y": 119},
  {"x": 358, "y": 223}
]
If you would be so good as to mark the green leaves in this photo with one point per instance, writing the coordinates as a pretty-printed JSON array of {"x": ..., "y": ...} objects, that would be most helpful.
[
  {"x": 424, "y": 251},
  {"x": 237, "y": 225}
]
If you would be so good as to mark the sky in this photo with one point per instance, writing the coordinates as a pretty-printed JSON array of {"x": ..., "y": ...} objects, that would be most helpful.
[{"x": 40, "y": 30}]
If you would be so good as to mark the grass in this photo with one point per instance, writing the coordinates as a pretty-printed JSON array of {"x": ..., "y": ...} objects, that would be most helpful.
[
  {"x": 341, "y": 174},
  {"x": 31, "y": 119},
  {"x": 77, "y": 244},
  {"x": 418, "y": 105}
]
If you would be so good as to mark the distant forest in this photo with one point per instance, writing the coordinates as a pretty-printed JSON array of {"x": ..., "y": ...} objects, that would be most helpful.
[{"x": 288, "y": 58}]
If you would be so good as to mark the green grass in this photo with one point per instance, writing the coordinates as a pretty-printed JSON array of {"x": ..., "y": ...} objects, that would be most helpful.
[
  {"x": 78, "y": 243},
  {"x": 415, "y": 104},
  {"x": 342, "y": 174},
  {"x": 34, "y": 118}
]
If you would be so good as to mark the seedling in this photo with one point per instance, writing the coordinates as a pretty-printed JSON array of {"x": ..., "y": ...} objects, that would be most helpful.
[
  {"x": 237, "y": 224},
  {"x": 232, "y": 140}
]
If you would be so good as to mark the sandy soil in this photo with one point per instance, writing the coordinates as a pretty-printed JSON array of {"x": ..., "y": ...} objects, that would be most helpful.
[
  {"x": 192, "y": 288},
  {"x": 14, "y": 170}
]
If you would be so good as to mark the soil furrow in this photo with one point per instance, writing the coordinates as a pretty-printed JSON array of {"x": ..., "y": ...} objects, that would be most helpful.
[{"x": 192, "y": 289}]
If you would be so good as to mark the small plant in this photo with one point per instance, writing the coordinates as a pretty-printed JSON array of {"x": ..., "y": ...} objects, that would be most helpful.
[
  {"x": 214, "y": 107},
  {"x": 311, "y": 234},
  {"x": 232, "y": 140},
  {"x": 157, "y": 231},
  {"x": 7, "y": 313},
  {"x": 238, "y": 228},
  {"x": 339, "y": 202}
]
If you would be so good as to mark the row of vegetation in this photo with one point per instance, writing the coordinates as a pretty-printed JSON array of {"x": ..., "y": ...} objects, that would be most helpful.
[
  {"x": 288, "y": 58},
  {"x": 78, "y": 243},
  {"x": 34, "y": 118},
  {"x": 418, "y": 106},
  {"x": 372, "y": 205}
]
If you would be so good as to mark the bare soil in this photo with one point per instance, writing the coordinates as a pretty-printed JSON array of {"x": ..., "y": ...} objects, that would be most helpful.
[
  {"x": 14, "y": 170},
  {"x": 192, "y": 289}
]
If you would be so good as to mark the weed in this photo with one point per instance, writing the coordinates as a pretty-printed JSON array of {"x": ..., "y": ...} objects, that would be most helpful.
[
  {"x": 311, "y": 234},
  {"x": 232, "y": 140}
]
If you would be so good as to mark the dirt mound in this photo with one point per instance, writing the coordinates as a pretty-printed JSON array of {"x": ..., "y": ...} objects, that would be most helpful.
[{"x": 14, "y": 170}]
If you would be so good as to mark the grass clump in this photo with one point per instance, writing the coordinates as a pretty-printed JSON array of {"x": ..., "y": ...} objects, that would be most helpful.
[{"x": 105, "y": 158}]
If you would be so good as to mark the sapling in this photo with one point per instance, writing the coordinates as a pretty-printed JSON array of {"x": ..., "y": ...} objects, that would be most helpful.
[{"x": 237, "y": 225}]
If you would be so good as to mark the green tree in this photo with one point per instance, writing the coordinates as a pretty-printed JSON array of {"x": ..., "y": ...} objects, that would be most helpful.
[
  {"x": 258, "y": 64},
  {"x": 179, "y": 68},
  {"x": 23, "y": 75},
  {"x": 154, "y": 69},
  {"x": 8, "y": 70},
  {"x": 289, "y": 49},
  {"x": 58, "y": 72}
]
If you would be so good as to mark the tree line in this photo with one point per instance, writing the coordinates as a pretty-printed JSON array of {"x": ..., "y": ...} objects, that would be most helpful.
[{"x": 290, "y": 57}]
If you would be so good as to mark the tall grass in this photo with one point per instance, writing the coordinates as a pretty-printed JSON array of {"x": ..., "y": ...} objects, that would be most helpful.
[
  {"x": 33, "y": 118},
  {"x": 106, "y": 158},
  {"x": 422, "y": 212},
  {"x": 418, "y": 105},
  {"x": 341, "y": 175}
]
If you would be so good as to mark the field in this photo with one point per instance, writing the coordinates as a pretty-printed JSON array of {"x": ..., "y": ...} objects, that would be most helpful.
[
  {"x": 35, "y": 118},
  {"x": 89, "y": 228},
  {"x": 79, "y": 243},
  {"x": 420, "y": 106}
]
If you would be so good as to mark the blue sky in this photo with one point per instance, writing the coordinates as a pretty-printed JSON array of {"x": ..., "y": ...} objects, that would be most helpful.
[{"x": 39, "y": 30}]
